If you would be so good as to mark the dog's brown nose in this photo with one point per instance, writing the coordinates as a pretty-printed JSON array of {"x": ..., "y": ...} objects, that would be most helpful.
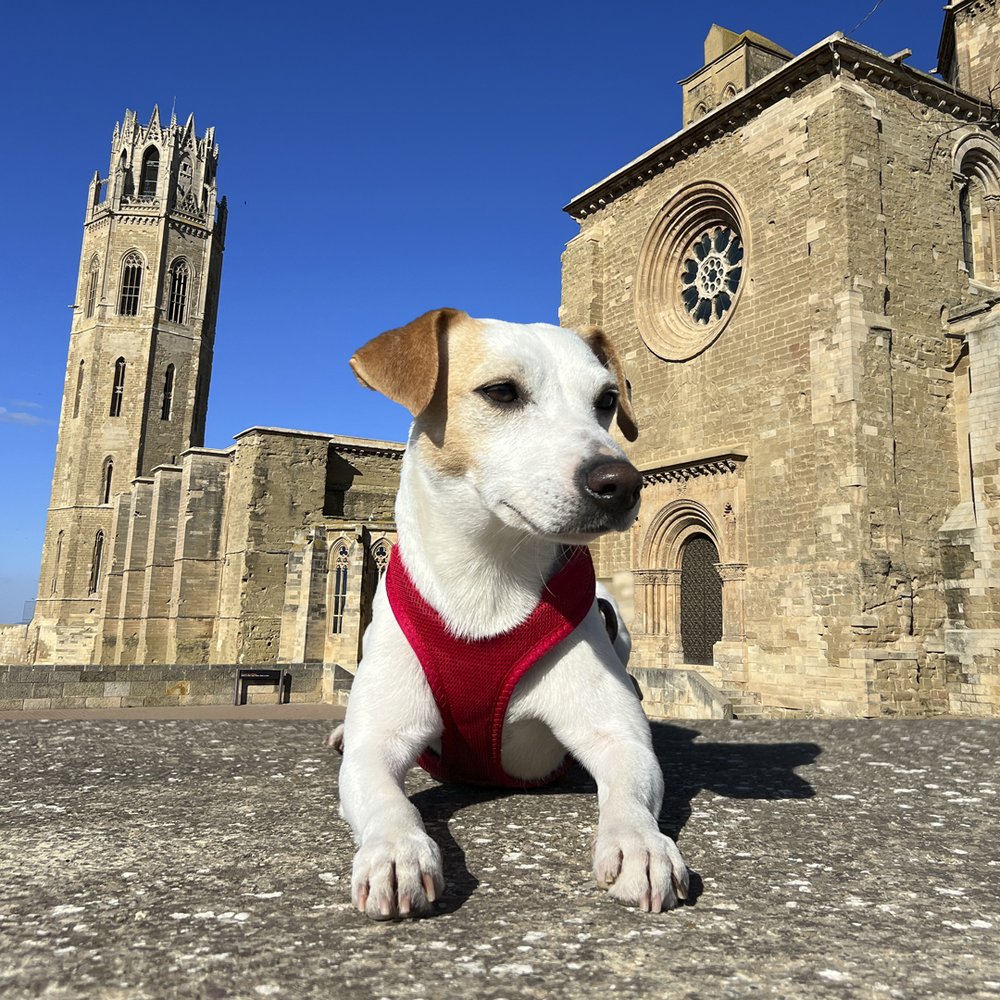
[{"x": 614, "y": 485}]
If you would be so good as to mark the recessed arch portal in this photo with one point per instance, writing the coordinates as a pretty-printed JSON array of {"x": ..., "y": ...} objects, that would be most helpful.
[{"x": 688, "y": 588}]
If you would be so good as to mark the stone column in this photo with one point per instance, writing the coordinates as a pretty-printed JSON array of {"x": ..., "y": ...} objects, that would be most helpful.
[
  {"x": 134, "y": 572},
  {"x": 989, "y": 241},
  {"x": 730, "y": 653},
  {"x": 194, "y": 596},
  {"x": 657, "y": 602},
  {"x": 733, "y": 577},
  {"x": 642, "y": 589},
  {"x": 291, "y": 643},
  {"x": 160, "y": 554}
]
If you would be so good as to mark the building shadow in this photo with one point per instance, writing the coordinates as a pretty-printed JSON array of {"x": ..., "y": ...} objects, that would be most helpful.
[{"x": 743, "y": 770}]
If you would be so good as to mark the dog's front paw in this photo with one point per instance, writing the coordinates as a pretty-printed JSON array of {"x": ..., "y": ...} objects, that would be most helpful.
[
  {"x": 399, "y": 877},
  {"x": 640, "y": 867},
  {"x": 336, "y": 739}
]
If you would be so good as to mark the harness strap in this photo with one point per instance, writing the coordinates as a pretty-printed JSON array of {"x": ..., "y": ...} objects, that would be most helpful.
[{"x": 473, "y": 680}]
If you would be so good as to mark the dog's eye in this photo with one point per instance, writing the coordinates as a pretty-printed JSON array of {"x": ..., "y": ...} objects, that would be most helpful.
[
  {"x": 504, "y": 393},
  {"x": 607, "y": 401}
]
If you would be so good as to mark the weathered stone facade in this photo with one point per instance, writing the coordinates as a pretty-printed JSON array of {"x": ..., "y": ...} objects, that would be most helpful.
[
  {"x": 233, "y": 556},
  {"x": 158, "y": 550},
  {"x": 804, "y": 286},
  {"x": 140, "y": 358}
]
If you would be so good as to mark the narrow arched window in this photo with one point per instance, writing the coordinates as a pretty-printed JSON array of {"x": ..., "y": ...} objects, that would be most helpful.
[
  {"x": 339, "y": 590},
  {"x": 127, "y": 186},
  {"x": 381, "y": 554},
  {"x": 92, "y": 280},
  {"x": 56, "y": 564},
  {"x": 118, "y": 389},
  {"x": 79, "y": 391},
  {"x": 150, "y": 171},
  {"x": 965, "y": 210},
  {"x": 131, "y": 284},
  {"x": 177, "y": 303},
  {"x": 168, "y": 393},
  {"x": 109, "y": 472},
  {"x": 95, "y": 563}
]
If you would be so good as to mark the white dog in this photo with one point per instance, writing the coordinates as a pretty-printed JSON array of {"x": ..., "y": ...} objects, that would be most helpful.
[{"x": 509, "y": 471}]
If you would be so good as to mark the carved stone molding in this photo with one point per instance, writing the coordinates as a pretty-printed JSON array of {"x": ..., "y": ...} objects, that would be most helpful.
[
  {"x": 730, "y": 572},
  {"x": 653, "y": 576},
  {"x": 717, "y": 465},
  {"x": 840, "y": 56}
]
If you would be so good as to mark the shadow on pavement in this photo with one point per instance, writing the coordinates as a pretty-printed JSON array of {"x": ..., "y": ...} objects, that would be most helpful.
[{"x": 734, "y": 770}]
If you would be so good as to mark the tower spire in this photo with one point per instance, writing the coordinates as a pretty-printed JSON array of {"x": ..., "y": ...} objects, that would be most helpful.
[{"x": 138, "y": 369}]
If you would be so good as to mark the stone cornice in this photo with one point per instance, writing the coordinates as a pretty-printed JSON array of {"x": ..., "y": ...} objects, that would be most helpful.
[
  {"x": 724, "y": 463},
  {"x": 380, "y": 451},
  {"x": 835, "y": 56},
  {"x": 359, "y": 446}
]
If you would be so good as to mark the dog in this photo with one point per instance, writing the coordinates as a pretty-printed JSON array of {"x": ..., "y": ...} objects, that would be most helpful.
[{"x": 510, "y": 471}]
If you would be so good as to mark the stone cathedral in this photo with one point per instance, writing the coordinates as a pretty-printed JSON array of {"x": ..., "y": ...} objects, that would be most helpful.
[
  {"x": 158, "y": 550},
  {"x": 804, "y": 282}
]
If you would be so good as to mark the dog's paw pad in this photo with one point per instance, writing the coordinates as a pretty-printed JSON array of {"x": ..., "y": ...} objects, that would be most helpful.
[
  {"x": 397, "y": 878},
  {"x": 641, "y": 868}
]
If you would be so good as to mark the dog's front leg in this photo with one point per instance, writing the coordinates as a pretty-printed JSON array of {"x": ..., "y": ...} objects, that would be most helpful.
[
  {"x": 633, "y": 860},
  {"x": 397, "y": 869},
  {"x": 391, "y": 718},
  {"x": 589, "y": 703}
]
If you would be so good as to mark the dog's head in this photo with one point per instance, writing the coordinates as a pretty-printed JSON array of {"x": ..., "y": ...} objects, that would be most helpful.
[{"x": 520, "y": 412}]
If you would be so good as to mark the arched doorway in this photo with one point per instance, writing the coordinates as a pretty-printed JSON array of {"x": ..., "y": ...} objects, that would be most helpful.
[{"x": 701, "y": 599}]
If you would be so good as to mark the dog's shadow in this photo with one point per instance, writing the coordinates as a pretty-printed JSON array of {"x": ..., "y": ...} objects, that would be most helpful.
[{"x": 734, "y": 770}]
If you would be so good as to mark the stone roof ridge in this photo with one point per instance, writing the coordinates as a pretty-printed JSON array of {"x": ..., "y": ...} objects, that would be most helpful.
[
  {"x": 341, "y": 440},
  {"x": 829, "y": 55},
  {"x": 766, "y": 43},
  {"x": 721, "y": 40}
]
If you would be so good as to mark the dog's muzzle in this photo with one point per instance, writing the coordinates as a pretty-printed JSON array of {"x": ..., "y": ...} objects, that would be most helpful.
[{"x": 613, "y": 487}]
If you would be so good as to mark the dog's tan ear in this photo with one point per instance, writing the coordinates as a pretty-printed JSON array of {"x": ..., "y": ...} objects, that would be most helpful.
[
  {"x": 403, "y": 364},
  {"x": 599, "y": 342}
]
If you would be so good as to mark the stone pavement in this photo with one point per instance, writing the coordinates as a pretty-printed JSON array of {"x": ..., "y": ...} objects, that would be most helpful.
[{"x": 203, "y": 858}]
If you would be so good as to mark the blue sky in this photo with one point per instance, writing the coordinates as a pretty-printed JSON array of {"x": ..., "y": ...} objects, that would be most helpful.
[{"x": 379, "y": 160}]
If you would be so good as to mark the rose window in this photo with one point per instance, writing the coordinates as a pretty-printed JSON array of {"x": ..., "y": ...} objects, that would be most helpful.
[
  {"x": 692, "y": 265},
  {"x": 710, "y": 275}
]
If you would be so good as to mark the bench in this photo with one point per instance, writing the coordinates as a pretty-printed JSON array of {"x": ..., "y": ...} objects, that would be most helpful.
[{"x": 245, "y": 676}]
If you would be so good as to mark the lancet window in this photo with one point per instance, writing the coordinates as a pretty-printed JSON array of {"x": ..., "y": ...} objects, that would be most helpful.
[
  {"x": 93, "y": 278},
  {"x": 177, "y": 303},
  {"x": 150, "y": 172},
  {"x": 131, "y": 284},
  {"x": 95, "y": 563},
  {"x": 118, "y": 389},
  {"x": 168, "y": 393},
  {"x": 109, "y": 472},
  {"x": 79, "y": 390},
  {"x": 339, "y": 602}
]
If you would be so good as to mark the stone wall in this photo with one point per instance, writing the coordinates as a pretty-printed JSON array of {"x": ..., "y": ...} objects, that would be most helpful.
[
  {"x": 679, "y": 694},
  {"x": 970, "y": 61},
  {"x": 832, "y": 375},
  {"x": 225, "y": 557},
  {"x": 39, "y": 687},
  {"x": 13, "y": 644}
]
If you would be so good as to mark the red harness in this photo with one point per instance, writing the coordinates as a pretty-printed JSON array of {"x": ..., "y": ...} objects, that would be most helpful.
[{"x": 472, "y": 680}]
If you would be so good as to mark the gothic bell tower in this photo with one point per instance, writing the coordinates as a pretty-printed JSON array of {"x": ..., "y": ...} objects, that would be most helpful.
[{"x": 140, "y": 356}]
